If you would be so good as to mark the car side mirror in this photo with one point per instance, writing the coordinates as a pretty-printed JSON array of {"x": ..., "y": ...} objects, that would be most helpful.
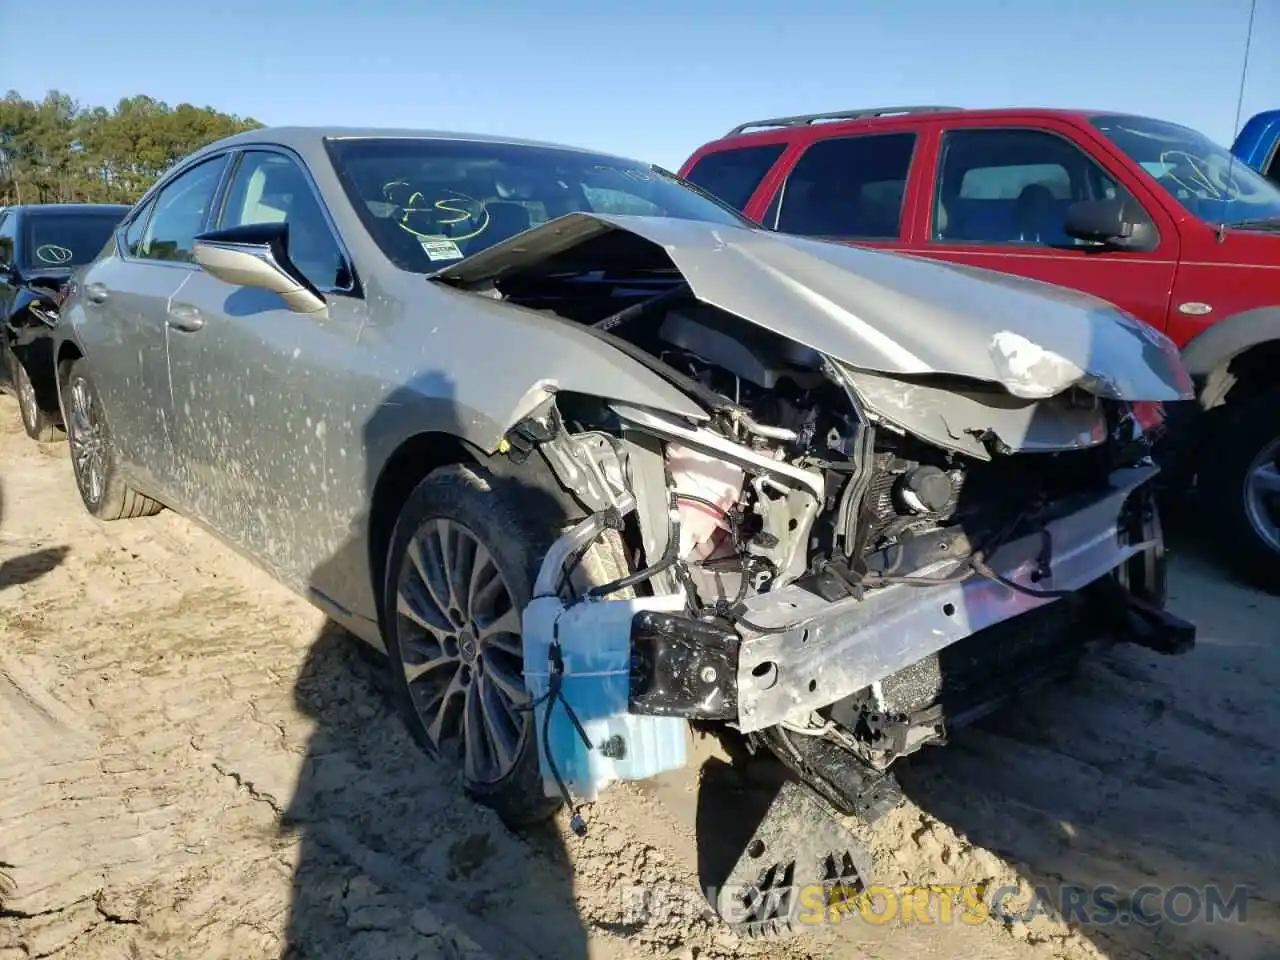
[
  {"x": 257, "y": 255},
  {"x": 1110, "y": 223}
]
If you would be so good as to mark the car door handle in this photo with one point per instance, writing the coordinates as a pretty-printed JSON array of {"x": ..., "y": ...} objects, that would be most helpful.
[
  {"x": 96, "y": 293},
  {"x": 185, "y": 317}
]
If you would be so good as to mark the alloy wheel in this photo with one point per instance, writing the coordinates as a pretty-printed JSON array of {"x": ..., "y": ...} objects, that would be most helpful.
[
  {"x": 460, "y": 648},
  {"x": 87, "y": 438},
  {"x": 1262, "y": 494},
  {"x": 27, "y": 398}
]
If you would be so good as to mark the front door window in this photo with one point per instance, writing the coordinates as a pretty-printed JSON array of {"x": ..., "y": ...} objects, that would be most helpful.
[{"x": 1013, "y": 186}]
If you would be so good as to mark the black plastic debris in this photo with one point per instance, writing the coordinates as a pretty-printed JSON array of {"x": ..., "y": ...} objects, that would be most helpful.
[{"x": 800, "y": 856}]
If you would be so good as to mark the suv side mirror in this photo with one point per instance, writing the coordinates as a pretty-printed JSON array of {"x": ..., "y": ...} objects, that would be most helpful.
[
  {"x": 1110, "y": 223},
  {"x": 257, "y": 255}
]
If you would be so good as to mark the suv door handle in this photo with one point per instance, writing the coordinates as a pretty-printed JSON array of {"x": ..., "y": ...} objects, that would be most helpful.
[
  {"x": 96, "y": 293},
  {"x": 185, "y": 317}
]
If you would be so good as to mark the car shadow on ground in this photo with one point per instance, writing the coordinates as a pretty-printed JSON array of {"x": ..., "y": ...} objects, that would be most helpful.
[
  {"x": 1137, "y": 798},
  {"x": 394, "y": 861},
  {"x": 30, "y": 566}
]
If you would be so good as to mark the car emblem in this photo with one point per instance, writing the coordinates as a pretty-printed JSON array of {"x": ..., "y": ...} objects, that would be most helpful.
[{"x": 53, "y": 254}]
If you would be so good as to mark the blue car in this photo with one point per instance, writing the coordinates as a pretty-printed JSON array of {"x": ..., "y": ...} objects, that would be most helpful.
[{"x": 1258, "y": 141}]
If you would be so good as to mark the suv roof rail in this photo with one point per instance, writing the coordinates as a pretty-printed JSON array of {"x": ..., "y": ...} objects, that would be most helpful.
[{"x": 802, "y": 120}]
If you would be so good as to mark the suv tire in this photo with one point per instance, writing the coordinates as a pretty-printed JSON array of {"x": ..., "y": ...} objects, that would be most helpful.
[{"x": 1245, "y": 519}]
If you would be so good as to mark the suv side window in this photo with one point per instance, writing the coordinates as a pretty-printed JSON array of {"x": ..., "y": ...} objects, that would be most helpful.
[
  {"x": 269, "y": 187},
  {"x": 1273, "y": 171},
  {"x": 733, "y": 175},
  {"x": 1014, "y": 186},
  {"x": 180, "y": 212},
  {"x": 848, "y": 187}
]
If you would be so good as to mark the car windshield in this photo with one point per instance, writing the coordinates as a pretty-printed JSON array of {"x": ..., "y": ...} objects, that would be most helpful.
[
  {"x": 430, "y": 202},
  {"x": 1205, "y": 178},
  {"x": 59, "y": 241}
]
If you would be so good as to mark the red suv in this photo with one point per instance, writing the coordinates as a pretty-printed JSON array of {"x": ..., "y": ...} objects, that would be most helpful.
[{"x": 1149, "y": 215}]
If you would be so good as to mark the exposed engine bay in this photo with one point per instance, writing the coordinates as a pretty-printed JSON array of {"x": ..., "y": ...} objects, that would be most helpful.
[
  {"x": 794, "y": 482},
  {"x": 794, "y": 479},
  {"x": 842, "y": 566}
]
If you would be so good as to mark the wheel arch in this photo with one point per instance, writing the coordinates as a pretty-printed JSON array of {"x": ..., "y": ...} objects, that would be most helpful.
[
  {"x": 405, "y": 467},
  {"x": 439, "y": 443},
  {"x": 1239, "y": 355},
  {"x": 65, "y": 352}
]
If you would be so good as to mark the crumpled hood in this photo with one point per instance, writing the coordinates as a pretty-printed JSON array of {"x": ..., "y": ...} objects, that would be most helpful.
[{"x": 889, "y": 313}]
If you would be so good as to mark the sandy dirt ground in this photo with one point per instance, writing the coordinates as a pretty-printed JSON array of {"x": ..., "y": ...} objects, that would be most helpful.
[{"x": 193, "y": 763}]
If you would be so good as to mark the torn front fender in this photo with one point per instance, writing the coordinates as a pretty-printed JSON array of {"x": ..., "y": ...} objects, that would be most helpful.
[{"x": 882, "y": 312}]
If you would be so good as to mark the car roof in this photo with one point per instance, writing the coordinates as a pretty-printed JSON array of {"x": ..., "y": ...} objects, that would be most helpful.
[
  {"x": 305, "y": 139},
  {"x": 58, "y": 209},
  {"x": 837, "y": 122}
]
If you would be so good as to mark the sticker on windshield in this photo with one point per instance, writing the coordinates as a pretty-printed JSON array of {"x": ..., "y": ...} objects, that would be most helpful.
[
  {"x": 53, "y": 254},
  {"x": 441, "y": 249}
]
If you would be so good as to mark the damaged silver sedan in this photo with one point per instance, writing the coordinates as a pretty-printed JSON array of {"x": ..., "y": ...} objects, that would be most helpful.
[{"x": 589, "y": 456}]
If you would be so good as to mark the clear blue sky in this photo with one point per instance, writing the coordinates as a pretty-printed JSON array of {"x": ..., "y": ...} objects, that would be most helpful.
[{"x": 651, "y": 80}]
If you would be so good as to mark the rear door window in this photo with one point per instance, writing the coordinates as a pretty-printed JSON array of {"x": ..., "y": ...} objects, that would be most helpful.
[
  {"x": 848, "y": 188},
  {"x": 133, "y": 232},
  {"x": 733, "y": 175},
  {"x": 181, "y": 209}
]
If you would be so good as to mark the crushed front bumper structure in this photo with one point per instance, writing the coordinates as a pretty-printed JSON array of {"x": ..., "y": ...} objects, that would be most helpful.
[
  {"x": 804, "y": 653},
  {"x": 915, "y": 646},
  {"x": 823, "y": 652}
]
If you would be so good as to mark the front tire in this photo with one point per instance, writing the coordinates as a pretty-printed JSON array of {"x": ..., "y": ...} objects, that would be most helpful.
[
  {"x": 104, "y": 491},
  {"x": 1241, "y": 488},
  {"x": 463, "y": 558},
  {"x": 39, "y": 425}
]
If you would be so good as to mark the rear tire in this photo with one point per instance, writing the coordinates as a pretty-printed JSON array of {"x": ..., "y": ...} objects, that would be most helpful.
[
  {"x": 1239, "y": 485},
  {"x": 493, "y": 529},
  {"x": 105, "y": 493},
  {"x": 39, "y": 425}
]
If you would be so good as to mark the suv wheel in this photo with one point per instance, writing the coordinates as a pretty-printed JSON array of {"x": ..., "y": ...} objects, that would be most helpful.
[
  {"x": 1241, "y": 484},
  {"x": 104, "y": 491}
]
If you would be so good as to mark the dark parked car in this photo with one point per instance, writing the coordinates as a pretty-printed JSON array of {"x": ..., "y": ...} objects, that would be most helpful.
[{"x": 40, "y": 247}]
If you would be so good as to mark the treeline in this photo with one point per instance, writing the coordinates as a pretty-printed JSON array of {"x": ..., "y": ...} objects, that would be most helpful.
[{"x": 55, "y": 150}]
